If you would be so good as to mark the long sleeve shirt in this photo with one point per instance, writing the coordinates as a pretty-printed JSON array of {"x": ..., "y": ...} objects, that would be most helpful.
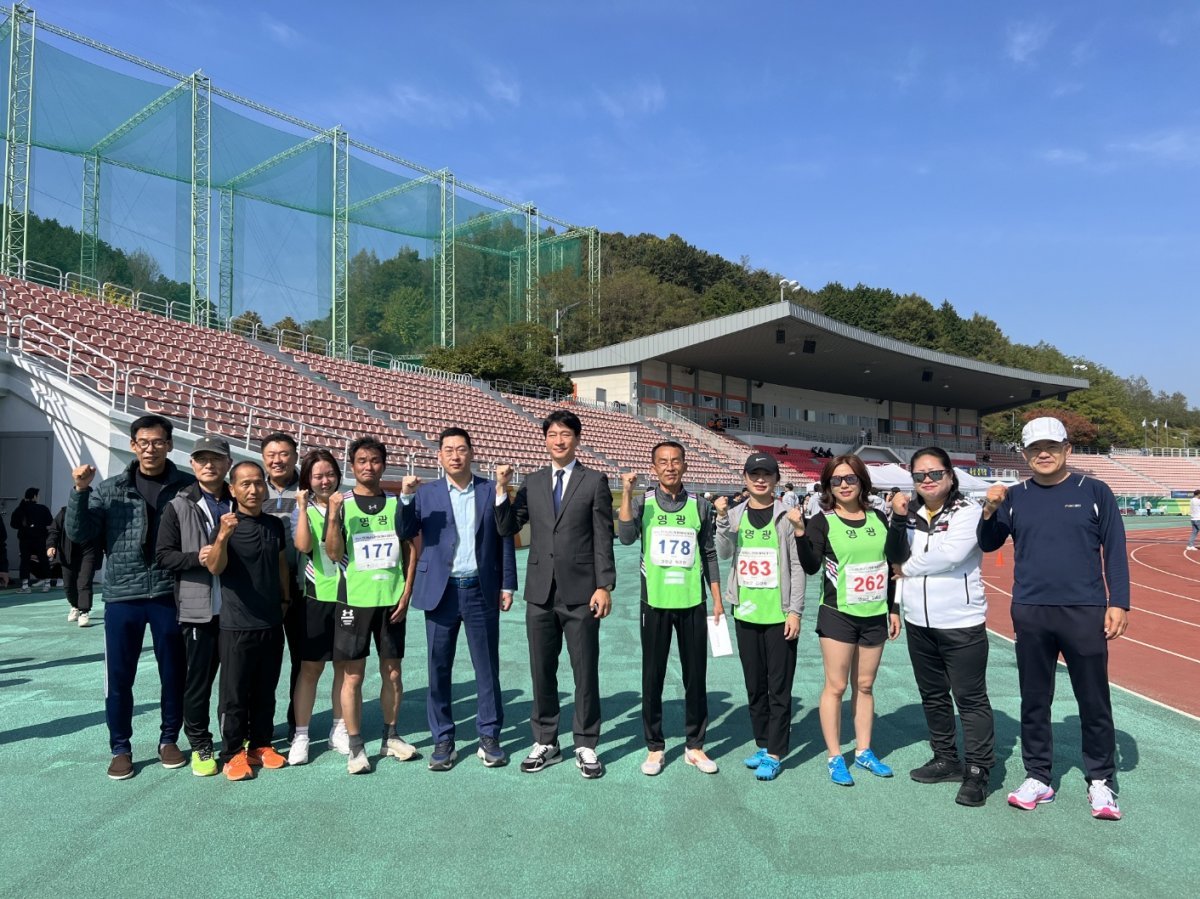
[{"x": 1068, "y": 541}]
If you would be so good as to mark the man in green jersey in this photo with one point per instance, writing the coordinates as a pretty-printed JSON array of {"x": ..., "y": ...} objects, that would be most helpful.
[
  {"x": 678, "y": 559},
  {"x": 376, "y": 588}
]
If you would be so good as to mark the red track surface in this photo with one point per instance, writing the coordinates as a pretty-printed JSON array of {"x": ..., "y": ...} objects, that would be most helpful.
[{"x": 1159, "y": 656}]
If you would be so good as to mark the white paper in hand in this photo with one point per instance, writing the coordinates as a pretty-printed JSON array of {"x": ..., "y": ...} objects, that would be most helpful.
[{"x": 718, "y": 637}]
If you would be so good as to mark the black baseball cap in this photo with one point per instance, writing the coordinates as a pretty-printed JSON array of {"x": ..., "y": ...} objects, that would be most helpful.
[
  {"x": 212, "y": 445},
  {"x": 761, "y": 462}
]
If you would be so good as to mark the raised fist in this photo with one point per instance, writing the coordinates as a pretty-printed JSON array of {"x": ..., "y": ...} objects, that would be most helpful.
[
  {"x": 302, "y": 499},
  {"x": 628, "y": 480},
  {"x": 796, "y": 518},
  {"x": 900, "y": 503},
  {"x": 335, "y": 503},
  {"x": 410, "y": 484},
  {"x": 721, "y": 504},
  {"x": 995, "y": 495},
  {"x": 83, "y": 476},
  {"x": 229, "y": 522},
  {"x": 504, "y": 475}
]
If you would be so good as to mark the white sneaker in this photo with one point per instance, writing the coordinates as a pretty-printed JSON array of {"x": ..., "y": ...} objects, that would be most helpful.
[
  {"x": 72, "y": 615},
  {"x": 84, "y": 619},
  {"x": 25, "y": 588},
  {"x": 358, "y": 763},
  {"x": 45, "y": 586},
  {"x": 339, "y": 741},
  {"x": 298, "y": 754},
  {"x": 1103, "y": 802},
  {"x": 397, "y": 748},
  {"x": 1030, "y": 794}
]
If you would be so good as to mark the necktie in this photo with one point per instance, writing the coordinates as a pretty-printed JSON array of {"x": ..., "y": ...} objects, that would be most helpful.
[{"x": 558, "y": 478}]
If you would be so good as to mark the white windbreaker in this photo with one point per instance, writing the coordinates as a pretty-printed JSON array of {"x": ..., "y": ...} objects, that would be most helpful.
[{"x": 942, "y": 585}]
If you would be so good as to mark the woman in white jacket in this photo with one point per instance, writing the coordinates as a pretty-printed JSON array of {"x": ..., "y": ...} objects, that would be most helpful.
[{"x": 935, "y": 558}]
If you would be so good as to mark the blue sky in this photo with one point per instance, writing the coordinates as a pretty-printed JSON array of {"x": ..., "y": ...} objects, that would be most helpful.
[{"x": 1038, "y": 163}]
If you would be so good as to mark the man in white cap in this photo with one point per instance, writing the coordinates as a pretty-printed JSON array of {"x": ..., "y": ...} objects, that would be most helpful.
[{"x": 1070, "y": 595}]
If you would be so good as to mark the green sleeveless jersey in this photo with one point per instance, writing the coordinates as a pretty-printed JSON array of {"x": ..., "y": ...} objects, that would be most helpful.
[
  {"x": 862, "y": 570},
  {"x": 322, "y": 576},
  {"x": 374, "y": 563},
  {"x": 760, "y": 597},
  {"x": 670, "y": 555}
]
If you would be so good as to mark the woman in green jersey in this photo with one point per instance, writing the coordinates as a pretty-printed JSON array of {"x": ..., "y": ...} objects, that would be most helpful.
[
  {"x": 857, "y": 615},
  {"x": 766, "y": 590},
  {"x": 320, "y": 477}
]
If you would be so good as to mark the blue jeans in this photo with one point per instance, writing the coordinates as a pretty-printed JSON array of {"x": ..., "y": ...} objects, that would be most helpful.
[
  {"x": 1195, "y": 531},
  {"x": 125, "y": 624}
]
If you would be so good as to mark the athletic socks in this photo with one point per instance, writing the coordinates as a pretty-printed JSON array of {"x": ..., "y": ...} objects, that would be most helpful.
[
  {"x": 302, "y": 731},
  {"x": 356, "y": 744},
  {"x": 389, "y": 730}
]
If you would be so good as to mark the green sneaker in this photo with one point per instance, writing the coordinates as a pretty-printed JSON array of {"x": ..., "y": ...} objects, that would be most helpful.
[{"x": 203, "y": 763}]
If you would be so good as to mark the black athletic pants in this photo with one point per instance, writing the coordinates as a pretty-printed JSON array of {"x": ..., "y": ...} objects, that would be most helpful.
[
  {"x": 953, "y": 662},
  {"x": 33, "y": 559},
  {"x": 295, "y": 623},
  {"x": 1078, "y": 633},
  {"x": 250, "y": 663},
  {"x": 77, "y": 581},
  {"x": 690, "y": 629},
  {"x": 201, "y": 646},
  {"x": 769, "y": 666}
]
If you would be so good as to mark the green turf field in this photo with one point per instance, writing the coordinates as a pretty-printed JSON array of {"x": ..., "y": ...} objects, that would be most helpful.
[{"x": 316, "y": 831}]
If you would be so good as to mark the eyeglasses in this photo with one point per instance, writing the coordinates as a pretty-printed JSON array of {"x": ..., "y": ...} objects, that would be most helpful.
[
  {"x": 935, "y": 476},
  {"x": 150, "y": 444},
  {"x": 838, "y": 480}
]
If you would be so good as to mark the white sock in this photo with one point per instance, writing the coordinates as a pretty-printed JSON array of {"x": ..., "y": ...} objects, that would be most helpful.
[
  {"x": 302, "y": 731},
  {"x": 339, "y": 725}
]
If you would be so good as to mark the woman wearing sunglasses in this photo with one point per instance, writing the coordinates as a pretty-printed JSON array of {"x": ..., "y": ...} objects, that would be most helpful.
[
  {"x": 935, "y": 556},
  {"x": 857, "y": 615}
]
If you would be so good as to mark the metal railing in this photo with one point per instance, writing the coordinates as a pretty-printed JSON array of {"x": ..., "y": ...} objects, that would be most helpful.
[{"x": 81, "y": 363}]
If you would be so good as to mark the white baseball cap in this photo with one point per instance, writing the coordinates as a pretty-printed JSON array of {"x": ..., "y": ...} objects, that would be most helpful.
[{"x": 1045, "y": 428}]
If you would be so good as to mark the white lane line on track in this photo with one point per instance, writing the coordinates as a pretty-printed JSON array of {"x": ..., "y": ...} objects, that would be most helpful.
[{"x": 1133, "y": 557}]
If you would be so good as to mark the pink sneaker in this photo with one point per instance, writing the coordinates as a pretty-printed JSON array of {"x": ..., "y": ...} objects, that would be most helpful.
[
  {"x": 1030, "y": 794},
  {"x": 1103, "y": 802}
]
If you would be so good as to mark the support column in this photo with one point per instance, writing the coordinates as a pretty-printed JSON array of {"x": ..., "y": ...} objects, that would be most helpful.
[
  {"x": 340, "y": 247},
  {"x": 201, "y": 199},
  {"x": 89, "y": 235},
  {"x": 225, "y": 257},
  {"x": 446, "y": 273},
  {"x": 14, "y": 236}
]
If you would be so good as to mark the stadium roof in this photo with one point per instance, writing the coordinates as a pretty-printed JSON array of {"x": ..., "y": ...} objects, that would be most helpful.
[{"x": 793, "y": 346}]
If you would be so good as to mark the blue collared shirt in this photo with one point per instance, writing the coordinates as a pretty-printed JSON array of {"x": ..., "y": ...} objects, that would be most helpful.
[{"x": 463, "y": 504}]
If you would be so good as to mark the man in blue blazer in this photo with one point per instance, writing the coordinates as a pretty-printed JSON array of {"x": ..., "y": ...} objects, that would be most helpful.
[{"x": 466, "y": 575}]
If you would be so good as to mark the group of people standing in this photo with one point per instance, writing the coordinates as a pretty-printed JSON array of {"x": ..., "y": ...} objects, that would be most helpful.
[{"x": 230, "y": 565}]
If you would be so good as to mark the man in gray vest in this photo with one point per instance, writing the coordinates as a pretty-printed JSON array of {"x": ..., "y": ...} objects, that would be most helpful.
[{"x": 185, "y": 536}]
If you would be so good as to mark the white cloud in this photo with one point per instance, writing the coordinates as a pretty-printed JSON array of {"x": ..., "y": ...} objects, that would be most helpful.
[
  {"x": 1025, "y": 39},
  {"x": 1065, "y": 89},
  {"x": 281, "y": 33},
  {"x": 400, "y": 102},
  {"x": 502, "y": 87},
  {"x": 1065, "y": 156},
  {"x": 644, "y": 98},
  {"x": 1174, "y": 146}
]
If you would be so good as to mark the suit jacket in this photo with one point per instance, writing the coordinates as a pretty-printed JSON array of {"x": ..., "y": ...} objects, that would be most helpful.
[
  {"x": 573, "y": 551},
  {"x": 431, "y": 515}
]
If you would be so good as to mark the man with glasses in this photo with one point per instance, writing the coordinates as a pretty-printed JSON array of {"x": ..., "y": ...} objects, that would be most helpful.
[
  {"x": 122, "y": 514},
  {"x": 1070, "y": 596},
  {"x": 468, "y": 576},
  {"x": 279, "y": 456},
  {"x": 189, "y": 527}
]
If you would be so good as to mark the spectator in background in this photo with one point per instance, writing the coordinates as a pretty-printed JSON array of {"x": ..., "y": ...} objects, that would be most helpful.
[
  {"x": 78, "y": 563},
  {"x": 31, "y": 520},
  {"x": 3, "y": 554},
  {"x": 783, "y": 449},
  {"x": 1194, "y": 512},
  {"x": 789, "y": 498}
]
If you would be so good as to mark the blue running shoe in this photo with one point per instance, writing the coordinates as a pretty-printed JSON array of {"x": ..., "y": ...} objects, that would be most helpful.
[
  {"x": 755, "y": 760},
  {"x": 838, "y": 772},
  {"x": 768, "y": 768},
  {"x": 868, "y": 762}
]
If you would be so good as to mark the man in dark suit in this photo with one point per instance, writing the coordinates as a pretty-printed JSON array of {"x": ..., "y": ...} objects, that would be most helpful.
[
  {"x": 466, "y": 576},
  {"x": 568, "y": 585}
]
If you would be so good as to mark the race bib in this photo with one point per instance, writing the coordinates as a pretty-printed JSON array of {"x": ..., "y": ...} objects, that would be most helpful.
[
  {"x": 673, "y": 548},
  {"x": 376, "y": 551},
  {"x": 866, "y": 582},
  {"x": 758, "y": 567}
]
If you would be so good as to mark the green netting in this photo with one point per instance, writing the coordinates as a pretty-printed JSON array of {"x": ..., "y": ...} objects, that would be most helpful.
[{"x": 275, "y": 241}]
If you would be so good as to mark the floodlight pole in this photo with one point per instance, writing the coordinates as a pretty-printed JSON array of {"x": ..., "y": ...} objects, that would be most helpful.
[
  {"x": 784, "y": 284},
  {"x": 21, "y": 25}
]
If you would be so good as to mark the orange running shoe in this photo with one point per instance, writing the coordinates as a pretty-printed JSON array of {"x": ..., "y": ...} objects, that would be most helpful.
[
  {"x": 238, "y": 767},
  {"x": 266, "y": 757}
]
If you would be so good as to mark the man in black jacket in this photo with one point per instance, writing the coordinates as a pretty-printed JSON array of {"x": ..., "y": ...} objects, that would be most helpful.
[
  {"x": 78, "y": 563},
  {"x": 31, "y": 520}
]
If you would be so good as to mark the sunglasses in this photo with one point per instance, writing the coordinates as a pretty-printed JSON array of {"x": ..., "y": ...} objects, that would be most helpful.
[
  {"x": 837, "y": 480},
  {"x": 935, "y": 476}
]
